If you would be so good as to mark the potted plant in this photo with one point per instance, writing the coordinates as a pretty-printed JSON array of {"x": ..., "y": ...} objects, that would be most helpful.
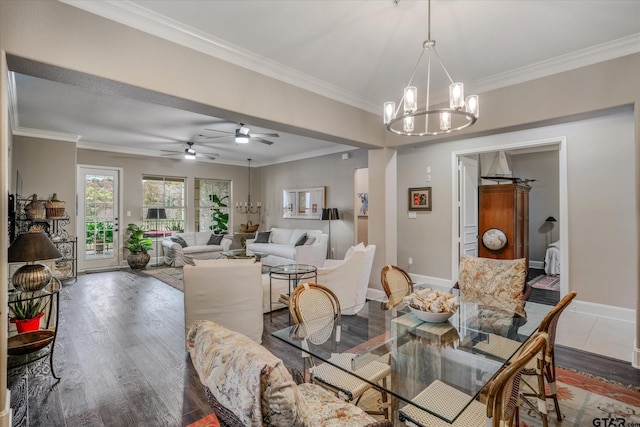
[
  {"x": 138, "y": 245},
  {"x": 27, "y": 313},
  {"x": 220, "y": 218}
]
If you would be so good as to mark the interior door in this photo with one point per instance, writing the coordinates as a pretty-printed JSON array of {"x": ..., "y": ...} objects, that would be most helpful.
[
  {"x": 98, "y": 207},
  {"x": 468, "y": 206}
]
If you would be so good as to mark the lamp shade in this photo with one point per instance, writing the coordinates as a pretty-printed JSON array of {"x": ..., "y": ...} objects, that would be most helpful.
[
  {"x": 34, "y": 246},
  {"x": 550, "y": 219},
  {"x": 330, "y": 214},
  {"x": 156, "y": 213},
  {"x": 31, "y": 247}
]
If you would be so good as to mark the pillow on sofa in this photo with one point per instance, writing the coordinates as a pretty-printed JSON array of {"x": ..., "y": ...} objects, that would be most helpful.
[
  {"x": 301, "y": 240},
  {"x": 215, "y": 239},
  {"x": 262, "y": 237},
  {"x": 310, "y": 240},
  {"x": 179, "y": 240}
]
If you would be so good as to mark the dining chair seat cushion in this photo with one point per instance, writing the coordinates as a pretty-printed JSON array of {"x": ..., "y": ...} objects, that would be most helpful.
[
  {"x": 443, "y": 399},
  {"x": 349, "y": 384},
  {"x": 500, "y": 278}
]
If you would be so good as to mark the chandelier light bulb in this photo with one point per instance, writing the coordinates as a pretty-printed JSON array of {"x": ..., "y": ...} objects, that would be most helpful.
[
  {"x": 473, "y": 105},
  {"x": 445, "y": 120},
  {"x": 410, "y": 99},
  {"x": 389, "y": 111},
  {"x": 407, "y": 124},
  {"x": 456, "y": 96}
]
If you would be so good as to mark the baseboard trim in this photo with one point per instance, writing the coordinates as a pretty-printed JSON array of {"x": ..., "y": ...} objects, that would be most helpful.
[
  {"x": 605, "y": 311},
  {"x": 6, "y": 415},
  {"x": 536, "y": 264}
]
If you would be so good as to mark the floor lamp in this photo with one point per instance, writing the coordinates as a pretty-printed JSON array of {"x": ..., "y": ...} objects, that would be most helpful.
[
  {"x": 550, "y": 220},
  {"x": 156, "y": 213},
  {"x": 330, "y": 214}
]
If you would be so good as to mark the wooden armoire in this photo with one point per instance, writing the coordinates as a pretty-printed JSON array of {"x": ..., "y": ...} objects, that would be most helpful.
[{"x": 505, "y": 207}]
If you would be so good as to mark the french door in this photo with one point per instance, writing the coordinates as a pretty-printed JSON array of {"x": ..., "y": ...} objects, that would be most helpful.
[{"x": 98, "y": 218}]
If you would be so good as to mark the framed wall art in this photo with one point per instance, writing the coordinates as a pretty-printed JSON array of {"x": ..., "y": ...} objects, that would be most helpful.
[
  {"x": 303, "y": 203},
  {"x": 420, "y": 199}
]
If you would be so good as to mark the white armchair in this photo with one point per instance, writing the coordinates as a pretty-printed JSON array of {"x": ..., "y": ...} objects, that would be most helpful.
[
  {"x": 349, "y": 278},
  {"x": 225, "y": 291}
]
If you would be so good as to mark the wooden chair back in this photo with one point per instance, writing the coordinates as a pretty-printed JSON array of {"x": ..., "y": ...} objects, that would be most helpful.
[
  {"x": 396, "y": 283},
  {"x": 503, "y": 397},
  {"x": 550, "y": 321}
]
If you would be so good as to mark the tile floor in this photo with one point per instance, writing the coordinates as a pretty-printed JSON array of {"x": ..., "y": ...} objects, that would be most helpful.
[{"x": 594, "y": 334}]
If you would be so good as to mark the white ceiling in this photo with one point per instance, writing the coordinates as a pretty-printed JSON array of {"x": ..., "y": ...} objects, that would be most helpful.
[{"x": 358, "y": 52}]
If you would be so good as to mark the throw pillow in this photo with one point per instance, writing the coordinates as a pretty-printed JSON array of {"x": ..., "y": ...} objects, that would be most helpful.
[
  {"x": 262, "y": 237},
  {"x": 301, "y": 240},
  {"x": 215, "y": 239},
  {"x": 179, "y": 240},
  {"x": 310, "y": 241}
]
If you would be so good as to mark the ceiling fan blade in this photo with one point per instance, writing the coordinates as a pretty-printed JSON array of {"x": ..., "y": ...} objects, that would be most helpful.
[
  {"x": 221, "y": 131},
  {"x": 264, "y": 135},
  {"x": 264, "y": 141},
  {"x": 207, "y": 156}
]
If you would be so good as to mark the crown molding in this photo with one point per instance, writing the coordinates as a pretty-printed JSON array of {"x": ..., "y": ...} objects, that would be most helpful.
[
  {"x": 600, "y": 53},
  {"x": 46, "y": 134},
  {"x": 138, "y": 17}
]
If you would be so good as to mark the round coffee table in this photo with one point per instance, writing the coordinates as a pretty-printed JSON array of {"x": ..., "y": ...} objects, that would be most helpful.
[{"x": 293, "y": 273}]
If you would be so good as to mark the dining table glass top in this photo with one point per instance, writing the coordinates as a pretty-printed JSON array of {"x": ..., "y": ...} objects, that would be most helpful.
[{"x": 464, "y": 352}]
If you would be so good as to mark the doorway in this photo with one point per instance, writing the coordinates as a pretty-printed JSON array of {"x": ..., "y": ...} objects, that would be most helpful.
[
  {"x": 361, "y": 205},
  {"x": 98, "y": 218},
  {"x": 462, "y": 188}
]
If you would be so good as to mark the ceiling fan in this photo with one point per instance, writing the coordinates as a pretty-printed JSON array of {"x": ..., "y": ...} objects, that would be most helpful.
[
  {"x": 242, "y": 135},
  {"x": 190, "y": 153}
]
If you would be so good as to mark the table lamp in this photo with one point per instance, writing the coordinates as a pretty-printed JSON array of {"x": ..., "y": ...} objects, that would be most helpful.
[{"x": 31, "y": 247}]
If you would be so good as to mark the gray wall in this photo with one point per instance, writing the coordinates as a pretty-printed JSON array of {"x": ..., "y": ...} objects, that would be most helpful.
[
  {"x": 544, "y": 198},
  {"x": 601, "y": 184},
  {"x": 330, "y": 171},
  {"x": 47, "y": 167}
]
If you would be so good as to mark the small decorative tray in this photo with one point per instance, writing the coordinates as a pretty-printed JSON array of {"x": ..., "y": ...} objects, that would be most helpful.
[{"x": 29, "y": 342}]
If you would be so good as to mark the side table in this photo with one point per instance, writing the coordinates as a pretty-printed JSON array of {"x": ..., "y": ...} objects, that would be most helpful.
[
  {"x": 26, "y": 348},
  {"x": 293, "y": 273}
]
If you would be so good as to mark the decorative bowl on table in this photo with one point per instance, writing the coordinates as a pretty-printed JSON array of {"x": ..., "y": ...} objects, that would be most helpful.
[
  {"x": 432, "y": 305},
  {"x": 427, "y": 316}
]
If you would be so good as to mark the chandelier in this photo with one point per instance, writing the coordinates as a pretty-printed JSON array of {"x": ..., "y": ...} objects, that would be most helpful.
[
  {"x": 248, "y": 207},
  {"x": 411, "y": 121}
]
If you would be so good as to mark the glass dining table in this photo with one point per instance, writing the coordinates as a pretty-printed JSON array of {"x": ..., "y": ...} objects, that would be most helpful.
[{"x": 455, "y": 352}]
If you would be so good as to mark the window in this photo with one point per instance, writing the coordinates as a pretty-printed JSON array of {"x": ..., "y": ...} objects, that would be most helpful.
[
  {"x": 167, "y": 196},
  {"x": 212, "y": 216}
]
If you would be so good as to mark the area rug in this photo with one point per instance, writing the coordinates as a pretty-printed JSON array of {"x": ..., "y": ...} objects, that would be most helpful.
[
  {"x": 209, "y": 421},
  {"x": 550, "y": 283},
  {"x": 172, "y": 276},
  {"x": 584, "y": 401}
]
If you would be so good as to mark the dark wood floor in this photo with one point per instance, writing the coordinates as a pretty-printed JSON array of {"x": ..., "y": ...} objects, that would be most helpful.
[{"x": 121, "y": 358}]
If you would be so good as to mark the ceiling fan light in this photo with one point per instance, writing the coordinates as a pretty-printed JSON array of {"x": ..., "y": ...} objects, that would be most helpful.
[
  {"x": 242, "y": 139},
  {"x": 243, "y": 130},
  {"x": 189, "y": 153}
]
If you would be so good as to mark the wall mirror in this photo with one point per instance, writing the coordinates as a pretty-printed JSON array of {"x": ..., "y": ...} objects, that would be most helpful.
[{"x": 303, "y": 203}]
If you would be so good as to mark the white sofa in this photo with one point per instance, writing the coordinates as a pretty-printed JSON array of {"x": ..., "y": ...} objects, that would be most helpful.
[
  {"x": 177, "y": 256},
  {"x": 281, "y": 247}
]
